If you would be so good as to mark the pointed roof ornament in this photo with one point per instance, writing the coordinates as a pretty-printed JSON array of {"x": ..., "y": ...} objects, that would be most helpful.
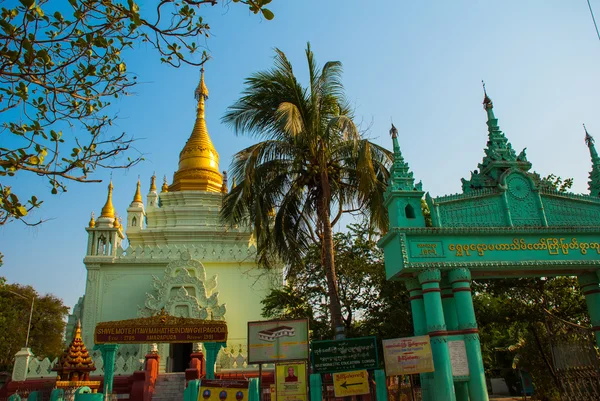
[
  {"x": 198, "y": 161},
  {"x": 92, "y": 222},
  {"x": 137, "y": 198},
  {"x": 165, "y": 186},
  {"x": 108, "y": 210},
  {"x": 153, "y": 183},
  {"x": 224, "y": 188},
  {"x": 594, "y": 182},
  {"x": 401, "y": 178}
]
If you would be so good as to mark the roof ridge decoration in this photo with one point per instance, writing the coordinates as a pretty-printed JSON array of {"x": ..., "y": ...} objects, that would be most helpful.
[
  {"x": 108, "y": 210},
  {"x": 594, "y": 182},
  {"x": 499, "y": 155},
  {"x": 401, "y": 178}
]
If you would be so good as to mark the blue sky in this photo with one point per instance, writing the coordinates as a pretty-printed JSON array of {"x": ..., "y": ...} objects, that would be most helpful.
[{"x": 418, "y": 63}]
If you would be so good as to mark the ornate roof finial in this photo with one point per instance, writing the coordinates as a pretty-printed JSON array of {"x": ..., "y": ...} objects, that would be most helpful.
[
  {"x": 116, "y": 223},
  {"x": 138, "y": 195},
  {"x": 224, "y": 188},
  {"x": 198, "y": 154},
  {"x": 201, "y": 91},
  {"x": 594, "y": 182},
  {"x": 487, "y": 102},
  {"x": 92, "y": 223},
  {"x": 108, "y": 210},
  {"x": 394, "y": 131},
  {"x": 153, "y": 183},
  {"x": 165, "y": 186}
]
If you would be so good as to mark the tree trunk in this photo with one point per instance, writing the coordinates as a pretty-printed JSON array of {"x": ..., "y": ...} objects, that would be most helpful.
[{"x": 328, "y": 253}]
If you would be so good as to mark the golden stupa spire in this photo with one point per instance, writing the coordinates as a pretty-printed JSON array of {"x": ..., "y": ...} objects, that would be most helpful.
[
  {"x": 153, "y": 183},
  {"x": 199, "y": 160},
  {"x": 92, "y": 223},
  {"x": 165, "y": 186},
  {"x": 138, "y": 194},
  {"x": 108, "y": 210}
]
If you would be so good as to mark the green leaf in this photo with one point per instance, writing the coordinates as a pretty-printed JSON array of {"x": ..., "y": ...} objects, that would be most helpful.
[
  {"x": 28, "y": 3},
  {"x": 267, "y": 14}
]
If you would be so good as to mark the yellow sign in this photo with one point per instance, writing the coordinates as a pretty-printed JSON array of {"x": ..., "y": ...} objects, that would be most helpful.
[
  {"x": 223, "y": 390},
  {"x": 351, "y": 383},
  {"x": 291, "y": 381},
  {"x": 405, "y": 356}
]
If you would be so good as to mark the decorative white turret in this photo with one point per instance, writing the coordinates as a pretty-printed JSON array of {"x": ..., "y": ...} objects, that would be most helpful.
[
  {"x": 152, "y": 197},
  {"x": 135, "y": 212},
  {"x": 104, "y": 234}
]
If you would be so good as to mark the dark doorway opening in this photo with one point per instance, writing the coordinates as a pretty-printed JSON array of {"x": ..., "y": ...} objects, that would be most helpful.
[{"x": 180, "y": 356}]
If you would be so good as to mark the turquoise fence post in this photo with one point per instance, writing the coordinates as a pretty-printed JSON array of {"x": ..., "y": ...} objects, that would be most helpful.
[
  {"x": 33, "y": 396},
  {"x": 191, "y": 391},
  {"x": 109, "y": 352},
  {"x": 212, "y": 350},
  {"x": 316, "y": 387},
  {"x": 590, "y": 288},
  {"x": 443, "y": 381},
  {"x": 420, "y": 329},
  {"x": 58, "y": 394},
  {"x": 253, "y": 390},
  {"x": 467, "y": 324},
  {"x": 460, "y": 387},
  {"x": 14, "y": 397},
  {"x": 381, "y": 393}
]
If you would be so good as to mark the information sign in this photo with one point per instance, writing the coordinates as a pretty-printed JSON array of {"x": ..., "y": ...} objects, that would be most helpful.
[
  {"x": 219, "y": 390},
  {"x": 347, "y": 384},
  {"x": 404, "y": 356},
  {"x": 344, "y": 355},
  {"x": 277, "y": 340},
  {"x": 291, "y": 381},
  {"x": 458, "y": 358}
]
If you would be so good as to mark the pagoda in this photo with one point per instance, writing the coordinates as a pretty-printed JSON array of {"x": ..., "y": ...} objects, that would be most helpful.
[{"x": 74, "y": 366}]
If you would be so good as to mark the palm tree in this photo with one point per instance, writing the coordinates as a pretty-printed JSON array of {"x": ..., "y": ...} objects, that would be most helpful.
[{"x": 311, "y": 167}]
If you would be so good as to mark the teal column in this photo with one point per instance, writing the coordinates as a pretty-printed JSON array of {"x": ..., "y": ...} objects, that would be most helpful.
[
  {"x": 467, "y": 324},
  {"x": 212, "y": 350},
  {"x": 436, "y": 327},
  {"x": 381, "y": 393},
  {"x": 460, "y": 388},
  {"x": 590, "y": 288},
  {"x": 253, "y": 389},
  {"x": 420, "y": 326},
  {"x": 109, "y": 352},
  {"x": 316, "y": 387}
]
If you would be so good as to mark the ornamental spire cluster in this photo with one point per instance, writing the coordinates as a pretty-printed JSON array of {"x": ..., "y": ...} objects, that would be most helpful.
[{"x": 75, "y": 364}]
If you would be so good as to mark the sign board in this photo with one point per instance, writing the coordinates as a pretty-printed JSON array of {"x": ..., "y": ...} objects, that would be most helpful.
[
  {"x": 277, "y": 340},
  {"x": 160, "y": 329},
  {"x": 458, "y": 358},
  {"x": 405, "y": 356},
  {"x": 290, "y": 381},
  {"x": 351, "y": 383},
  {"x": 221, "y": 390},
  {"x": 344, "y": 355}
]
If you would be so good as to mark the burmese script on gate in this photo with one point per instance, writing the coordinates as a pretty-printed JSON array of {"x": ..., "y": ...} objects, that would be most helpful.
[{"x": 208, "y": 332}]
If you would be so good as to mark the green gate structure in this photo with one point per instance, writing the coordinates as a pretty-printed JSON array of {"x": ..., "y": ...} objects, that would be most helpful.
[{"x": 506, "y": 223}]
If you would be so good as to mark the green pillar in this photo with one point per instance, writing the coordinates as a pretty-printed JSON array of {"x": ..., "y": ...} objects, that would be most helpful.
[
  {"x": 467, "y": 324},
  {"x": 381, "y": 393},
  {"x": 109, "y": 352},
  {"x": 460, "y": 388},
  {"x": 591, "y": 290},
  {"x": 316, "y": 387},
  {"x": 420, "y": 326},
  {"x": 436, "y": 327},
  {"x": 212, "y": 350},
  {"x": 253, "y": 389}
]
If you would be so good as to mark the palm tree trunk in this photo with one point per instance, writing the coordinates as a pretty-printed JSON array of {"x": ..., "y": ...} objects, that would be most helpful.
[{"x": 328, "y": 256}]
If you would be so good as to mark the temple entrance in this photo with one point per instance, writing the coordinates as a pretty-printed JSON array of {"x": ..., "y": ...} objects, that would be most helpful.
[{"x": 179, "y": 357}]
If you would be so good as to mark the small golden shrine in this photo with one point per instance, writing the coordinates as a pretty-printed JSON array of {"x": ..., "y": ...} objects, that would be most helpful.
[{"x": 74, "y": 366}]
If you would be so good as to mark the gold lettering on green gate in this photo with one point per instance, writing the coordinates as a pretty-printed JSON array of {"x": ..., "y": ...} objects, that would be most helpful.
[{"x": 554, "y": 246}]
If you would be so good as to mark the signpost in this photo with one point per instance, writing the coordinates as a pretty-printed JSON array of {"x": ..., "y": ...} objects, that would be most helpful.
[
  {"x": 405, "y": 356},
  {"x": 277, "y": 340},
  {"x": 350, "y": 383},
  {"x": 160, "y": 329},
  {"x": 344, "y": 355},
  {"x": 290, "y": 381}
]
